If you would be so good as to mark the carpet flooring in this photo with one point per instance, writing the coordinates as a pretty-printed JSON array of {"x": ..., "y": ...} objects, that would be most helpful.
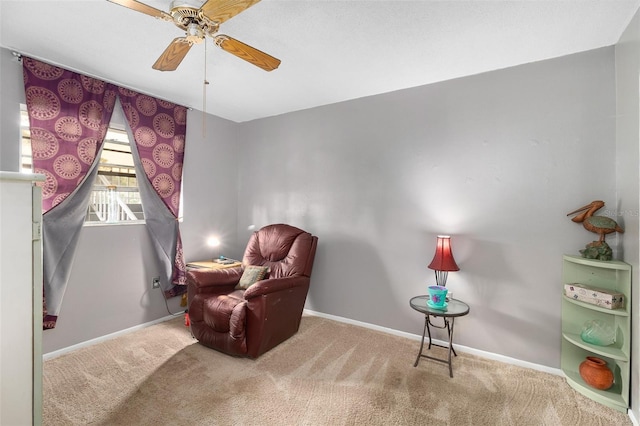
[{"x": 329, "y": 373}]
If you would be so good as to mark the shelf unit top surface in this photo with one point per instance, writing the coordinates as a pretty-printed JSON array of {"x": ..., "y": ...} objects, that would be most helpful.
[{"x": 607, "y": 264}]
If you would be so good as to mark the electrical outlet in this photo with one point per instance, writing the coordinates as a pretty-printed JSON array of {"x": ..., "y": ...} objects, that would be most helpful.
[{"x": 155, "y": 282}]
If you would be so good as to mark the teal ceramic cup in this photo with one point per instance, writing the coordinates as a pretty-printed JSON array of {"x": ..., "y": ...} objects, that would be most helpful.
[{"x": 437, "y": 296}]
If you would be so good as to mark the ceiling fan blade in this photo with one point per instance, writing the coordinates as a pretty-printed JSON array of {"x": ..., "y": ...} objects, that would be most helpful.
[
  {"x": 222, "y": 10},
  {"x": 246, "y": 52},
  {"x": 141, "y": 7},
  {"x": 173, "y": 55}
]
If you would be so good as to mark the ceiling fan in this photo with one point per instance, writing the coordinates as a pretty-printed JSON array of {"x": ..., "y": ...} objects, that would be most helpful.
[{"x": 201, "y": 19}]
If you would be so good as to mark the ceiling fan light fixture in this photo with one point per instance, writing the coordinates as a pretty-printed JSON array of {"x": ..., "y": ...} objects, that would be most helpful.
[
  {"x": 193, "y": 4},
  {"x": 195, "y": 34}
]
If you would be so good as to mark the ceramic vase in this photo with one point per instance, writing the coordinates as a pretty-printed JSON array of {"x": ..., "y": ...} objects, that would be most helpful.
[{"x": 595, "y": 373}]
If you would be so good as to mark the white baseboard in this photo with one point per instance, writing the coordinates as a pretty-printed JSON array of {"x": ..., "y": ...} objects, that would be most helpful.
[
  {"x": 461, "y": 348},
  {"x": 633, "y": 418},
  {"x": 55, "y": 354}
]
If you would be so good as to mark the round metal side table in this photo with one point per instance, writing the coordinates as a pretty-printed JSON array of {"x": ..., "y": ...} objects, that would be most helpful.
[{"x": 455, "y": 308}]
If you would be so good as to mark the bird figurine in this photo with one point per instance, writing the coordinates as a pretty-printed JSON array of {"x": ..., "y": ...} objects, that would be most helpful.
[{"x": 600, "y": 225}]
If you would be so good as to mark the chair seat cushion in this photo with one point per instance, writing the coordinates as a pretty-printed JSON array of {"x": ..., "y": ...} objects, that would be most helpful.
[{"x": 225, "y": 312}]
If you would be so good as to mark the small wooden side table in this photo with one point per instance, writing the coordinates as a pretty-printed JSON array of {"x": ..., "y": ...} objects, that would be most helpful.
[
  {"x": 212, "y": 264},
  {"x": 455, "y": 308}
]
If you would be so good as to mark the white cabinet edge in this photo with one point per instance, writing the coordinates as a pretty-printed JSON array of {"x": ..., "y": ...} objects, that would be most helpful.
[{"x": 32, "y": 177}]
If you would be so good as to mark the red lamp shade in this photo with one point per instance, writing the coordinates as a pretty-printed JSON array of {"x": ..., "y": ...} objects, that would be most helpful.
[{"x": 443, "y": 259}]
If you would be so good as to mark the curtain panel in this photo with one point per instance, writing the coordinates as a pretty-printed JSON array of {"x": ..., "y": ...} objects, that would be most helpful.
[
  {"x": 159, "y": 129},
  {"x": 69, "y": 114},
  {"x": 68, "y": 118}
]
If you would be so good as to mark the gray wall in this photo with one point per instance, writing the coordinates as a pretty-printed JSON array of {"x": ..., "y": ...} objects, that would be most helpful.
[
  {"x": 628, "y": 175},
  {"x": 495, "y": 160},
  {"x": 10, "y": 90},
  {"x": 107, "y": 289},
  {"x": 210, "y": 187},
  {"x": 110, "y": 286}
]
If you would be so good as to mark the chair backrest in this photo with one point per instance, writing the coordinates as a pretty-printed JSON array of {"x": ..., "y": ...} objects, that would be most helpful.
[{"x": 285, "y": 249}]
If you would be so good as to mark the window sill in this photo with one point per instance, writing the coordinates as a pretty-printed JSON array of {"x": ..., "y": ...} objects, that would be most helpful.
[{"x": 125, "y": 223}]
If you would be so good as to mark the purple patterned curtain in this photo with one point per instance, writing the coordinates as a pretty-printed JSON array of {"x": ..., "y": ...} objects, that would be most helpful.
[
  {"x": 68, "y": 117},
  {"x": 159, "y": 129}
]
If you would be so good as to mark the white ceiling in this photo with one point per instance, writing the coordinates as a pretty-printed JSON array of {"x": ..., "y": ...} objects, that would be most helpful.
[{"x": 331, "y": 51}]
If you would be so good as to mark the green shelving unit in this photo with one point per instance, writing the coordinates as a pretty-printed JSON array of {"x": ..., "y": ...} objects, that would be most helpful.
[{"x": 610, "y": 275}]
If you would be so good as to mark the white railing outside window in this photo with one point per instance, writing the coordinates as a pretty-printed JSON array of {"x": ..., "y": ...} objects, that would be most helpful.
[{"x": 111, "y": 204}]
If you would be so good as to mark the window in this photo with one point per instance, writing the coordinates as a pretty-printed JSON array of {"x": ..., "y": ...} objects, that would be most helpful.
[{"x": 115, "y": 197}]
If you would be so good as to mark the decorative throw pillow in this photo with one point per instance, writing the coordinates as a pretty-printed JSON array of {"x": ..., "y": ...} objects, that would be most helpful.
[{"x": 251, "y": 275}]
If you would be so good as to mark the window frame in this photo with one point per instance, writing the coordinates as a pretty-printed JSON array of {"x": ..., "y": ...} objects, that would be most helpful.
[{"x": 25, "y": 158}]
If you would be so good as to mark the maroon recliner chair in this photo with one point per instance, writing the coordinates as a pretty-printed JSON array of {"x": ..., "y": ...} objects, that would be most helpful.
[{"x": 250, "y": 322}]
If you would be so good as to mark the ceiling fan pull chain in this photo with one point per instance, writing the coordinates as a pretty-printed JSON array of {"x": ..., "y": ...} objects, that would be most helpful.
[{"x": 205, "y": 82}]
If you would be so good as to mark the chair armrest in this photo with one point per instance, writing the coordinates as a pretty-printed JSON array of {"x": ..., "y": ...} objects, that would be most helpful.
[
  {"x": 272, "y": 285},
  {"x": 213, "y": 280}
]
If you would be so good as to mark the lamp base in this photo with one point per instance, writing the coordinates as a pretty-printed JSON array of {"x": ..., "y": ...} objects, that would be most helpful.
[{"x": 441, "y": 278}]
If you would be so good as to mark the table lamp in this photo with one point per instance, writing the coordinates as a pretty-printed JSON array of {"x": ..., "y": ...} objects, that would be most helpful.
[
  {"x": 213, "y": 242},
  {"x": 443, "y": 260}
]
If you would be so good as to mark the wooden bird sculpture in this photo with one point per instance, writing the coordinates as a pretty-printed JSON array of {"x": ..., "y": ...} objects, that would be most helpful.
[{"x": 600, "y": 225}]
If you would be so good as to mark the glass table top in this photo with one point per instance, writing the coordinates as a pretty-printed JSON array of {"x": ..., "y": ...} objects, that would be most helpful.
[{"x": 453, "y": 308}]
